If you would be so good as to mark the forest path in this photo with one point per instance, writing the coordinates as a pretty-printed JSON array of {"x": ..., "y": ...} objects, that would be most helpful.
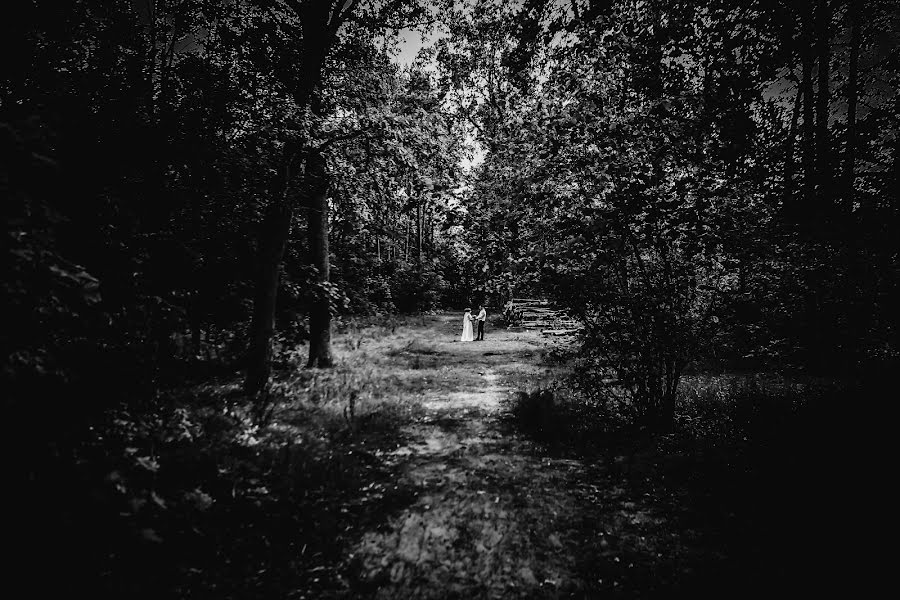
[{"x": 493, "y": 516}]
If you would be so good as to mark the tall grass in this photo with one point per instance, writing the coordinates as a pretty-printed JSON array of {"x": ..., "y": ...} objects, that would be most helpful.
[{"x": 711, "y": 409}]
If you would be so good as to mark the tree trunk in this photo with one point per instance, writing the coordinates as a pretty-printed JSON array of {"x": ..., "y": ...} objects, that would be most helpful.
[
  {"x": 272, "y": 241},
  {"x": 896, "y": 203},
  {"x": 789, "y": 164},
  {"x": 406, "y": 252},
  {"x": 317, "y": 225},
  {"x": 419, "y": 217},
  {"x": 857, "y": 322},
  {"x": 808, "y": 129},
  {"x": 823, "y": 144},
  {"x": 320, "y": 23},
  {"x": 852, "y": 99},
  {"x": 431, "y": 229},
  {"x": 669, "y": 391},
  {"x": 196, "y": 320}
]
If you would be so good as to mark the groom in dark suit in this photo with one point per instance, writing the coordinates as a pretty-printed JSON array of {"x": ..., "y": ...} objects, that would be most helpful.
[{"x": 482, "y": 315}]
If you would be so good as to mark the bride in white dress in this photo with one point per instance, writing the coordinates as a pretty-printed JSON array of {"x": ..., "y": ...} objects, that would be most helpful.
[{"x": 467, "y": 327}]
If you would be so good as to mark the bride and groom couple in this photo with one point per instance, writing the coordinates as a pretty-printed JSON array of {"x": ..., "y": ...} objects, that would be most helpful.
[{"x": 467, "y": 324}]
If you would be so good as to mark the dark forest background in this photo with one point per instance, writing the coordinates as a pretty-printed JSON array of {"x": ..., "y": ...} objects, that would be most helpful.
[{"x": 200, "y": 191}]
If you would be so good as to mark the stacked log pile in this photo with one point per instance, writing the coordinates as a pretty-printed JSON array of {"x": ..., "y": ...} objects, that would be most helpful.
[{"x": 538, "y": 313}]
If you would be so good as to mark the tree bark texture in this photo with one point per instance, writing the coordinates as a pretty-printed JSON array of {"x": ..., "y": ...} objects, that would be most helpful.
[
  {"x": 320, "y": 21},
  {"x": 789, "y": 163},
  {"x": 823, "y": 142},
  {"x": 419, "y": 233},
  {"x": 272, "y": 241},
  {"x": 852, "y": 100},
  {"x": 808, "y": 129},
  {"x": 406, "y": 252},
  {"x": 316, "y": 206}
]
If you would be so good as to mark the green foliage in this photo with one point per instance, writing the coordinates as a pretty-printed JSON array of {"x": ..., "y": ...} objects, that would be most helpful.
[
  {"x": 672, "y": 172},
  {"x": 170, "y": 141},
  {"x": 634, "y": 171},
  {"x": 140, "y": 150}
]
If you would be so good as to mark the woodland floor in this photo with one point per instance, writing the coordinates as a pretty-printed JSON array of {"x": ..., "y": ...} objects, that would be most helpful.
[
  {"x": 408, "y": 471},
  {"x": 469, "y": 507},
  {"x": 493, "y": 517}
]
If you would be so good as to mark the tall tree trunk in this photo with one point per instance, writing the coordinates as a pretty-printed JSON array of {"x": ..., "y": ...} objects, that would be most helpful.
[
  {"x": 272, "y": 241},
  {"x": 823, "y": 143},
  {"x": 789, "y": 163},
  {"x": 196, "y": 321},
  {"x": 896, "y": 203},
  {"x": 808, "y": 129},
  {"x": 151, "y": 68},
  {"x": 406, "y": 251},
  {"x": 317, "y": 225},
  {"x": 893, "y": 199},
  {"x": 852, "y": 99},
  {"x": 823, "y": 202},
  {"x": 419, "y": 217},
  {"x": 431, "y": 228},
  {"x": 857, "y": 315},
  {"x": 669, "y": 396},
  {"x": 320, "y": 23}
]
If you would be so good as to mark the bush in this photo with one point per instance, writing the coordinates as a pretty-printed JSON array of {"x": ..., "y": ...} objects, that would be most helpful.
[{"x": 537, "y": 413}]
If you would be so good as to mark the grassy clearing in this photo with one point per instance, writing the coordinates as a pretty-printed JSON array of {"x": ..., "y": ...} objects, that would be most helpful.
[
  {"x": 391, "y": 474},
  {"x": 213, "y": 503}
]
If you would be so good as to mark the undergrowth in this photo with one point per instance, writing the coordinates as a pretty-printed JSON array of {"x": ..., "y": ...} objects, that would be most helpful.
[
  {"x": 753, "y": 459},
  {"x": 197, "y": 493}
]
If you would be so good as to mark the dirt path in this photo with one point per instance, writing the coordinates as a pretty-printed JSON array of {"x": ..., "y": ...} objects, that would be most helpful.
[{"x": 493, "y": 517}]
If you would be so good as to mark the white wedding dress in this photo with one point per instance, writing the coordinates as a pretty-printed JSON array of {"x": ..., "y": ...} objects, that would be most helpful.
[{"x": 467, "y": 328}]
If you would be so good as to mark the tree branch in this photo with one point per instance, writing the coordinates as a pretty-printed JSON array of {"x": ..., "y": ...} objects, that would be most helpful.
[{"x": 362, "y": 131}]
